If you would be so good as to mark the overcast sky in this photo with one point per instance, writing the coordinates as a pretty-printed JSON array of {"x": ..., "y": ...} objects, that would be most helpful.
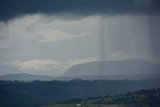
[{"x": 47, "y": 37}]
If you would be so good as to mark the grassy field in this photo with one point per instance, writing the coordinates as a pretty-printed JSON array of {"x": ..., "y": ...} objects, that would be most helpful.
[
  {"x": 142, "y": 98},
  {"x": 96, "y": 105},
  {"x": 91, "y": 103},
  {"x": 87, "y": 105}
]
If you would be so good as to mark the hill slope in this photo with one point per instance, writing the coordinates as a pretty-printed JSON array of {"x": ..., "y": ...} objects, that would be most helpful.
[
  {"x": 33, "y": 94},
  {"x": 26, "y": 77},
  {"x": 103, "y": 68}
]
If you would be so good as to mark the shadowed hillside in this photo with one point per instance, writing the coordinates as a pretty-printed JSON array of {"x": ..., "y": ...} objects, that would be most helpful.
[
  {"x": 36, "y": 93},
  {"x": 104, "y": 68}
]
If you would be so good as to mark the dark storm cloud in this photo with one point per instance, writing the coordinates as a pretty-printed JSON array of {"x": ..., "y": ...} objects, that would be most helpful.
[{"x": 13, "y": 8}]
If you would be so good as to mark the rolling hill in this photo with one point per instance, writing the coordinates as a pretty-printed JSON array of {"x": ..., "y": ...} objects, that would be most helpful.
[
  {"x": 26, "y": 77},
  {"x": 105, "y": 68}
]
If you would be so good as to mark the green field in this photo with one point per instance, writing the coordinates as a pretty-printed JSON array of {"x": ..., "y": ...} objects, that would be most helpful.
[
  {"x": 92, "y": 103},
  {"x": 142, "y": 98}
]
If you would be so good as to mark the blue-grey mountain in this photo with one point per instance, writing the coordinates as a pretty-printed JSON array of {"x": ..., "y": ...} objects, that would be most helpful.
[{"x": 104, "y": 68}]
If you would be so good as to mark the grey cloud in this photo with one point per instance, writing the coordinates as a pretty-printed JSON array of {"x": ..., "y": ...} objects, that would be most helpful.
[
  {"x": 13, "y": 8},
  {"x": 142, "y": 2},
  {"x": 2, "y": 30}
]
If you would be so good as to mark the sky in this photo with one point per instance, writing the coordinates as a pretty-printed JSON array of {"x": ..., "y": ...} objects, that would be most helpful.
[{"x": 47, "y": 37}]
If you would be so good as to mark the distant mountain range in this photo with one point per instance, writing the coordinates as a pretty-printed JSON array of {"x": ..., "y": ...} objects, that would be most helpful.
[
  {"x": 108, "y": 78},
  {"x": 105, "y": 68},
  {"x": 26, "y": 77},
  {"x": 30, "y": 77},
  {"x": 132, "y": 69}
]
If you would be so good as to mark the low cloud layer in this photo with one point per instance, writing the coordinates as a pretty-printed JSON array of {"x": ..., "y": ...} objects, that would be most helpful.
[
  {"x": 38, "y": 26},
  {"x": 46, "y": 66}
]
